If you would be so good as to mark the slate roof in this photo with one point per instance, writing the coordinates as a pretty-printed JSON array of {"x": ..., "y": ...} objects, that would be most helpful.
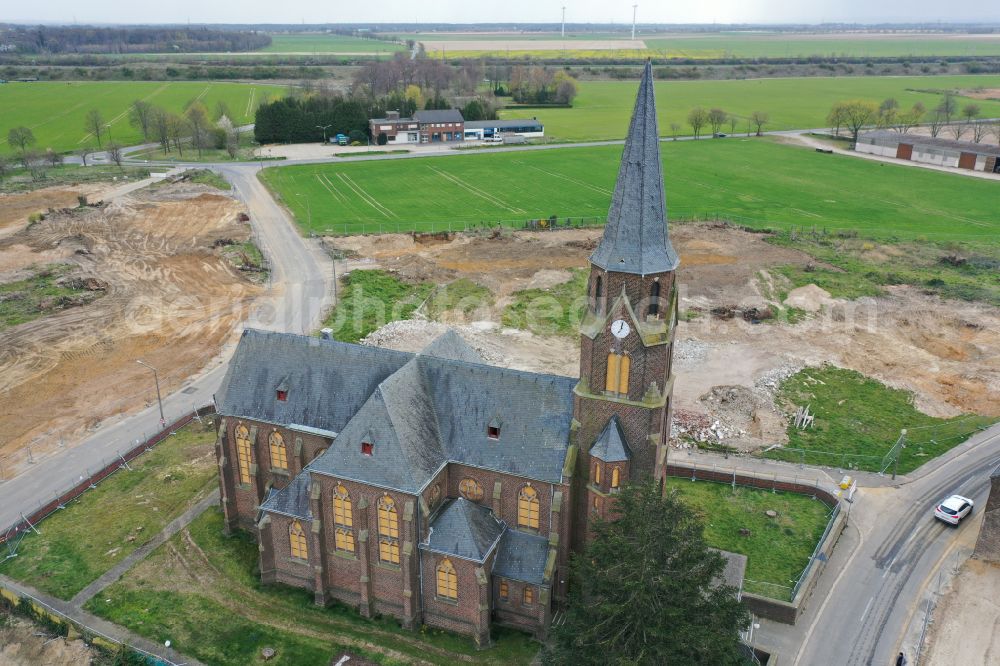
[
  {"x": 635, "y": 238},
  {"x": 292, "y": 500},
  {"x": 464, "y": 529},
  {"x": 327, "y": 381},
  {"x": 611, "y": 445},
  {"x": 502, "y": 124},
  {"x": 439, "y": 116},
  {"x": 522, "y": 557},
  {"x": 418, "y": 411}
]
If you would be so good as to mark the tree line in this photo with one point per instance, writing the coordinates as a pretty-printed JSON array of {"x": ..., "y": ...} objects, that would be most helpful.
[
  {"x": 717, "y": 119},
  {"x": 87, "y": 39},
  {"x": 858, "y": 114}
]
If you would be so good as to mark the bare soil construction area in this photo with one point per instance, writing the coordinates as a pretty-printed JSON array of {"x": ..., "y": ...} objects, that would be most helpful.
[
  {"x": 169, "y": 297},
  {"x": 727, "y": 367}
]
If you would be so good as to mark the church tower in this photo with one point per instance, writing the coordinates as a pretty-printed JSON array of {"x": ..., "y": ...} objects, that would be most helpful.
[{"x": 622, "y": 405}]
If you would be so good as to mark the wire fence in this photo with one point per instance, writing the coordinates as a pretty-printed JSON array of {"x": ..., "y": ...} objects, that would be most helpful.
[
  {"x": 88, "y": 480},
  {"x": 801, "y": 485},
  {"x": 90, "y": 632}
]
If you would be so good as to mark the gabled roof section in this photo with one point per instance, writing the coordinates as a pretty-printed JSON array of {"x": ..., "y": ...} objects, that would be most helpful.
[
  {"x": 439, "y": 116},
  {"x": 327, "y": 381},
  {"x": 522, "y": 557},
  {"x": 464, "y": 529},
  {"x": 611, "y": 445},
  {"x": 535, "y": 411},
  {"x": 635, "y": 238},
  {"x": 400, "y": 422},
  {"x": 292, "y": 500},
  {"x": 451, "y": 345}
]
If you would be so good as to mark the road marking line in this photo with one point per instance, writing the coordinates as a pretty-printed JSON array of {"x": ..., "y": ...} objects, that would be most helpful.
[{"x": 867, "y": 608}]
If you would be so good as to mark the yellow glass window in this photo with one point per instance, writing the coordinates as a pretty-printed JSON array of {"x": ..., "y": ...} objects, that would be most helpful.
[
  {"x": 297, "y": 541},
  {"x": 504, "y": 590},
  {"x": 597, "y": 473},
  {"x": 388, "y": 530},
  {"x": 279, "y": 455},
  {"x": 343, "y": 519},
  {"x": 618, "y": 369},
  {"x": 615, "y": 477},
  {"x": 529, "y": 595},
  {"x": 471, "y": 489},
  {"x": 447, "y": 580},
  {"x": 527, "y": 508},
  {"x": 243, "y": 452}
]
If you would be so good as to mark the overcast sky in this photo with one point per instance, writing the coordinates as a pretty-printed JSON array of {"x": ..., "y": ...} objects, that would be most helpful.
[{"x": 527, "y": 11}]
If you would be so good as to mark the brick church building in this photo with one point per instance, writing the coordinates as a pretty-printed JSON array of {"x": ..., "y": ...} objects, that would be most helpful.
[{"x": 439, "y": 489}]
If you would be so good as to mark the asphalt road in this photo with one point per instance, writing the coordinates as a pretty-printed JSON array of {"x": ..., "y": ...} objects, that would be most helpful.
[
  {"x": 299, "y": 294},
  {"x": 862, "y": 607}
]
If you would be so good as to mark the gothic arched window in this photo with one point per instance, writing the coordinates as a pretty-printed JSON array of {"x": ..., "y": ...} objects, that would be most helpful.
[{"x": 527, "y": 508}]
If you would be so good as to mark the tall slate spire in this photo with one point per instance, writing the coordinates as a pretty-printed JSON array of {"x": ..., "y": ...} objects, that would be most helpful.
[{"x": 635, "y": 237}]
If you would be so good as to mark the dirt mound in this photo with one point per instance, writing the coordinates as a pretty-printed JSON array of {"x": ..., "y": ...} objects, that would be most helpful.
[
  {"x": 170, "y": 299},
  {"x": 809, "y": 298}
]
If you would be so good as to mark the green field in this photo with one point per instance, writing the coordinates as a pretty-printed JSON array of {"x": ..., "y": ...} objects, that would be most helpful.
[
  {"x": 55, "y": 112},
  {"x": 786, "y": 45},
  {"x": 602, "y": 108},
  {"x": 321, "y": 43},
  {"x": 757, "y": 182},
  {"x": 97, "y": 531},
  {"x": 777, "y": 549}
]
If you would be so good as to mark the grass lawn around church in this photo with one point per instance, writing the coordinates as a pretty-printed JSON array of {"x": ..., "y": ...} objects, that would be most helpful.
[
  {"x": 777, "y": 549},
  {"x": 201, "y": 591}
]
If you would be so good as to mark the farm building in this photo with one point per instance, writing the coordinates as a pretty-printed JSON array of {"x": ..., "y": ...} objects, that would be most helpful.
[
  {"x": 477, "y": 130},
  {"x": 424, "y": 127},
  {"x": 931, "y": 150}
]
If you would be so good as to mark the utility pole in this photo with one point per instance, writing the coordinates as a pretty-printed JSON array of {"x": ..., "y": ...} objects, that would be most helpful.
[
  {"x": 634, "y": 8},
  {"x": 324, "y": 128},
  {"x": 564, "y": 22},
  {"x": 159, "y": 400}
]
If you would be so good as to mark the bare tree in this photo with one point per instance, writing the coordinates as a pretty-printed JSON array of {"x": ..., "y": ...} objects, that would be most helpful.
[
  {"x": 716, "y": 118},
  {"x": 957, "y": 130},
  {"x": 53, "y": 158},
  {"x": 909, "y": 119},
  {"x": 115, "y": 153},
  {"x": 979, "y": 131},
  {"x": 948, "y": 108},
  {"x": 733, "y": 121},
  {"x": 675, "y": 128},
  {"x": 858, "y": 114},
  {"x": 835, "y": 118},
  {"x": 161, "y": 128},
  {"x": 759, "y": 119},
  {"x": 21, "y": 138},
  {"x": 177, "y": 130},
  {"x": 888, "y": 110},
  {"x": 936, "y": 122},
  {"x": 93, "y": 123},
  {"x": 971, "y": 112},
  {"x": 141, "y": 117},
  {"x": 84, "y": 152},
  {"x": 697, "y": 119},
  {"x": 199, "y": 125}
]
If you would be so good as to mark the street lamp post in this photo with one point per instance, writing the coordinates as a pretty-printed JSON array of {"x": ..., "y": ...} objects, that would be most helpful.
[
  {"x": 324, "y": 128},
  {"x": 159, "y": 400}
]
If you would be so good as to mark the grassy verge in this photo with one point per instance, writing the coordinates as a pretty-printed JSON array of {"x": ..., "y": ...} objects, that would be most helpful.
[
  {"x": 858, "y": 419},
  {"x": 98, "y": 530},
  {"x": 777, "y": 549},
  {"x": 371, "y": 299},
  {"x": 201, "y": 591},
  {"x": 210, "y": 178},
  {"x": 372, "y": 152},
  {"x": 460, "y": 297},
  {"x": 952, "y": 269},
  {"x": 20, "y": 180},
  {"x": 247, "y": 257},
  {"x": 556, "y": 310},
  {"x": 48, "y": 290}
]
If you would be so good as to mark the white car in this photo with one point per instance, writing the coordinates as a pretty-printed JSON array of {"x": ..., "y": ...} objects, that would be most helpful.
[{"x": 954, "y": 509}]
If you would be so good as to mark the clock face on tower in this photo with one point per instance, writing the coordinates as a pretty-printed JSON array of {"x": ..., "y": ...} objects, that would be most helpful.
[{"x": 620, "y": 329}]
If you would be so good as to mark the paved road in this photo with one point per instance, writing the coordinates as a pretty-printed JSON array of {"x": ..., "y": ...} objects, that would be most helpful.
[
  {"x": 876, "y": 578},
  {"x": 297, "y": 298}
]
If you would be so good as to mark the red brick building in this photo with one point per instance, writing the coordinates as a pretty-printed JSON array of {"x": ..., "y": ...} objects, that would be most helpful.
[{"x": 438, "y": 489}]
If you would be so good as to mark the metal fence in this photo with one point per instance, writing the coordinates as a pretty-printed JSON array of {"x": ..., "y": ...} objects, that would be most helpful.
[
  {"x": 803, "y": 485},
  {"x": 89, "y": 479},
  {"x": 150, "y": 658}
]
